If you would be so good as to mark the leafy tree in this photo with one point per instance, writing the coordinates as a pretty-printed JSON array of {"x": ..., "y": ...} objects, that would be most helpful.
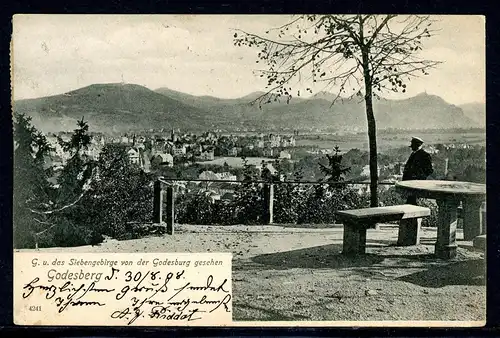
[
  {"x": 78, "y": 169},
  {"x": 195, "y": 208},
  {"x": 122, "y": 194},
  {"x": 288, "y": 197},
  {"x": 308, "y": 165},
  {"x": 249, "y": 198},
  {"x": 45, "y": 213},
  {"x": 326, "y": 199},
  {"x": 32, "y": 190},
  {"x": 73, "y": 182},
  {"x": 334, "y": 171},
  {"x": 355, "y": 54},
  {"x": 79, "y": 141}
]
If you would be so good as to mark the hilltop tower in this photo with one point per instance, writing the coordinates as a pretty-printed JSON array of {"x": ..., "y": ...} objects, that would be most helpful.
[{"x": 173, "y": 136}]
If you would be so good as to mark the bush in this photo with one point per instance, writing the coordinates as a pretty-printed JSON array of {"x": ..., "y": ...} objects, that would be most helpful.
[
  {"x": 249, "y": 203},
  {"x": 224, "y": 213},
  {"x": 432, "y": 220},
  {"x": 122, "y": 194},
  {"x": 195, "y": 209},
  {"x": 288, "y": 199},
  {"x": 392, "y": 197},
  {"x": 69, "y": 235},
  {"x": 293, "y": 204}
]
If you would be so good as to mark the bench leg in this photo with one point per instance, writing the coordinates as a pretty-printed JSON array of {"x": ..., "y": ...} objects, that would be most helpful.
[
  {"x": 354, "y": 239},
  {"x": 409, "y": 231}
]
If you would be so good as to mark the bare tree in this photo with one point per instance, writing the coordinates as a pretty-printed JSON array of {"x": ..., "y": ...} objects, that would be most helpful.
[{"x": 353, "y": 54}]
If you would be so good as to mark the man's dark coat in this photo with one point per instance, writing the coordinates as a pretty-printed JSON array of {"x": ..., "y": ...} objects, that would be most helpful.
[{"x": 418, "y": 166}]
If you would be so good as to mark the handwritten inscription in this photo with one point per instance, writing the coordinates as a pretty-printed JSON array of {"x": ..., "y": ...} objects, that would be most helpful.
[{"x": 127, "y": 295}]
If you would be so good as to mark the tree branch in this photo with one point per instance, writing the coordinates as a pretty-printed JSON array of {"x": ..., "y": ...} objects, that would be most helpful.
[
  {"x": 45, "y": 230},
  {"x": 49, "y": 212},
  {"x": 379, "y": 28}
]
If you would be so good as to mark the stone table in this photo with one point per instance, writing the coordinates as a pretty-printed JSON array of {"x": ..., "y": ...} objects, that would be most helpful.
[{"x": 448, "y": 195}]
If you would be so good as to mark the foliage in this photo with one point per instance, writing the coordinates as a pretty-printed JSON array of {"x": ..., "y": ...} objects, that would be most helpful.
[
  {"x": 331, "y": 49},
  {"x": 31, "y": 187},
  {"x": 72, "y": 183},
  {"x": 44, "y": 212},
  {"x": 390, "y": 197},
  {"x": 195, "y": 208},
  {"x": 314, "y": 204},
  {"x": 122, "y": 194},
  {"x": 334, "y": 171},
  {"x": 288, "y": 198},
  {"x": 89, "y": 199},
  {"x": 308, "y": 166},
  {"x": 249, "y": 197},
  {"x": 293, "y": 203},
  {"x": 80, "y": 139},
  {"x": 432, "y": 220}
]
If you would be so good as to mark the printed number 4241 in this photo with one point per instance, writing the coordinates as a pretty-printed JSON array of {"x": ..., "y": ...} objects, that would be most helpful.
[{"x": 35, "y": 308}]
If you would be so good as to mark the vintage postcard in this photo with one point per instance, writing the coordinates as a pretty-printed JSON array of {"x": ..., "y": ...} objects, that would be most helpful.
[{"x": 249, "y": 170}]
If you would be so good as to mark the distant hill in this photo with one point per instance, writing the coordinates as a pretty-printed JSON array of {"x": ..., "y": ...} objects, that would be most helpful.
[
  {"x": 475, "y": 111},
  {"x": 120, "y": 107},
  {"x": 421, "y": 111},
  {"x": 211, "y": 101},
  {"x": 196, "y": 101},
  {"x": 112, "y": 107}
]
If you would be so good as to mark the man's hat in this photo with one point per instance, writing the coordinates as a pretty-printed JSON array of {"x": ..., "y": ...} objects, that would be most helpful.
[{"x": 417, "y": 140}]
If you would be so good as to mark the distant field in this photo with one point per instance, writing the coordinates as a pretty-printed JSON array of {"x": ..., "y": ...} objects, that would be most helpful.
[
  {"x": 237, "y": 161},
  {"x": 386, "y": 141}
]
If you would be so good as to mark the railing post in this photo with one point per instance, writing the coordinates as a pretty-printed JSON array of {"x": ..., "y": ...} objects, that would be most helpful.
[
  {"x": 170, "y": 210},
  {"x": 268, "y": 203},
  {"x": 157, "y": 202}
]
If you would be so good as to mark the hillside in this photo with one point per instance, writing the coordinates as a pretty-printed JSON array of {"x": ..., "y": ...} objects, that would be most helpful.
[
  {"x": 421, "y": 111},
  {"x": 195, "y": 101},
  {"x": 475, "y": 111},
  {"x": 112, "y": 107},
  {"x": 120, "y": 107}
]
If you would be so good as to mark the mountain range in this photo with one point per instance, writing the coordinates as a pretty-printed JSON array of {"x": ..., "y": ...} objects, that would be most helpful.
[{"x": 118, "y": 107}]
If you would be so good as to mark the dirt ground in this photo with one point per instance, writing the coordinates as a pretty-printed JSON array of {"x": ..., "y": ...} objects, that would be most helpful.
[{"x": 285, "y": 273}]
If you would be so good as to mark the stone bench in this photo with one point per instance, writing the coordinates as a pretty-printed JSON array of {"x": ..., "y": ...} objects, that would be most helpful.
[{"x": 357, "y": 221}]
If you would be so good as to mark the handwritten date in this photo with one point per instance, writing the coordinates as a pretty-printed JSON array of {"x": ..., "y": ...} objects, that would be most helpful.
[{"x": 145, "y": 294}]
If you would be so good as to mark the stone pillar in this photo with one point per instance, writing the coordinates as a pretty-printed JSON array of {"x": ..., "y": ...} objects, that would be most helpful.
[
  {"x": 157, "y": 202},
  {"x": 472, "y": 218},
  {"x": 268, "y": 203},
  {"x": 446, "y": 245},
  {"x": 354, "y": 238},
  {"x": 170, "y": 210},
  {"x": 409, "y": 231}
]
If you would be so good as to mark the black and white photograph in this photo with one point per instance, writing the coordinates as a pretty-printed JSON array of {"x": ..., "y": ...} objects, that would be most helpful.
[{"x": 340, "y": 159}]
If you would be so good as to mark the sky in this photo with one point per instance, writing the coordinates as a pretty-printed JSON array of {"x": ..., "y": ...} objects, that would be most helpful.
[{"x": 195, "y": 54}]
